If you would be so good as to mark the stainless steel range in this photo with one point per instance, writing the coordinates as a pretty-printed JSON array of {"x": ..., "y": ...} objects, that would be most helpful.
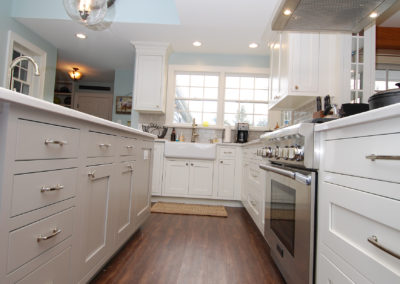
[{"x": 291, "y": 163}]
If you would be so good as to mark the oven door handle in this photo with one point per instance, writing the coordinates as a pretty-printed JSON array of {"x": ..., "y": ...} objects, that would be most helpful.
[{"x": 293, "y": 175}]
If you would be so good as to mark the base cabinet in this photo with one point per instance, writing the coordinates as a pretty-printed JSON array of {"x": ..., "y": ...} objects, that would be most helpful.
[{"x": 188, "y": 177}]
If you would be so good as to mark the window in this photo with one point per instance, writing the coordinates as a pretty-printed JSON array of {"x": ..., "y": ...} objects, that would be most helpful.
[
  {"x": 214, "y": 97},
  {"x": 386, "y": 79},
  {"x": 246, "y": 100},
  {"x": 196, "y": 97},
  {"x": 21, "y": 78}
]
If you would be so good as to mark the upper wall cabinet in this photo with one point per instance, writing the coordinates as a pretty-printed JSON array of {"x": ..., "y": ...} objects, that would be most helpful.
[
  {"x": 150, "y": 76},
  {"x": 303, "y": 66}
]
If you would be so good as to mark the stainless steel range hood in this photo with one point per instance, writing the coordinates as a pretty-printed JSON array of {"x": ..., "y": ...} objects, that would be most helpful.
[{"x": 327, "y": 15}]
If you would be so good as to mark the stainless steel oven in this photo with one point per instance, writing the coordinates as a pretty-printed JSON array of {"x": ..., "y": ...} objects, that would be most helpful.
[
  {"x": 289, "y": 220},
  {"x": 291, "y": 186}
]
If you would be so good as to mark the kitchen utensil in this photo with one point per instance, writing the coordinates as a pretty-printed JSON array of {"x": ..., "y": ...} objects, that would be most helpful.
[
  {"x": 327, "y": 105},
  {"x": 319, "y": 104},
  {"x": 384, "y": 98},
  {"x": 350, "y": 109}
]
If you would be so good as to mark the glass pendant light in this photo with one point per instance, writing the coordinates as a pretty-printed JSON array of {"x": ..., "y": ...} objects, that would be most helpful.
[{"x": 87, "y": 12}]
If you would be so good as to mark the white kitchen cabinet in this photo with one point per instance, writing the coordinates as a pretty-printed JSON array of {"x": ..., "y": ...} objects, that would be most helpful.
[
  {"x": 188, "y": 178},
  {"x": 96, "y": 235},
  {"x": 302, "y": 66},
  {"x": 158, "y": 166},
  {"x": 142, "y": 183},
  {"x": 150, "y": 76},
  {"x": 226, "y": 178},
  {"x": 125, "y": 201}
]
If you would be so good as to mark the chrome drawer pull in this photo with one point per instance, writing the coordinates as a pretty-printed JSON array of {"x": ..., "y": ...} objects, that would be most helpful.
[
  {"x": 130, "y": 168},
  {"x": 382, "y": 157},
  {"x": 51, "y": 188},
  {"x": 227, "y": 152},
  {"x": 129, "y": 146},
  {"x": 104, "y": 145},
  {"x": 57, "y": 142},
  {"x": 91, "y": 174},
  {"x": 374, "y": 240},
  {"x": 53, "y": 233}
]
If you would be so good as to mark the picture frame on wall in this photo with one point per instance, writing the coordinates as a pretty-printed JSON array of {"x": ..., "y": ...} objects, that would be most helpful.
[{"x": 123, "y": 105}]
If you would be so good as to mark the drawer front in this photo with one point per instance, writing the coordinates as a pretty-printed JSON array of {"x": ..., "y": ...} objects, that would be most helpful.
[
  {"x": 36, "y": 141},
  {"x": 350, "y": 218},
  {"x": 226, "y": 152},
  {"x": 36, "y": 190},
  {"x": 128, "y": 146},
  {"x": 57, "y": 270},
  {"x": 100, "y": 145},
  {"x": 24, "y": 243},
  {"x": 349, "y": 156}
]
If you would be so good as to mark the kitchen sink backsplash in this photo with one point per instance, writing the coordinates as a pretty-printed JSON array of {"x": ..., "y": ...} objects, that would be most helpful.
[{"x": 304, "y": 113}]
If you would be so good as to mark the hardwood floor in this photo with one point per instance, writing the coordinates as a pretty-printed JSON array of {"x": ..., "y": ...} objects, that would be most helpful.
[{"x": 194, "y": 249}]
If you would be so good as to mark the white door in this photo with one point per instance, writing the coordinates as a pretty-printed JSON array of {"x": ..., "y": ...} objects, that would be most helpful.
[
  {"x": 158, "y": 166},
  {"x": 142, "y": 184},
  {"x": 149, "y": 82},
  {"x": 96, "y": 210},
  {"x": 226, "y": 178},
  {"x": 304, "y": 62},
  {"x": 201, "y": 178},
  {"x": 96, "y": 104},
  {"x": 176, "y": 177},
  {"x": 124, "y": 187}
]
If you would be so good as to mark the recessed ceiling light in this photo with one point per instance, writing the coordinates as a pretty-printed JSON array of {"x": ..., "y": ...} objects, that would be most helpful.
[
  {"x": 197, "y": 43},
  {"x": 81, "y": 36},
  {"x": 253, "y": 45},
  {"x": 373, "y": 15},
  {"x": 287, "y": 12}
]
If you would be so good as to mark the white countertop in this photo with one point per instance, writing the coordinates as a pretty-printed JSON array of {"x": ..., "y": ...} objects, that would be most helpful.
[
  {"x": 361, "y": 118},
  {"x": 220, "y": 143},
  {"x": 7, "y": 96}
]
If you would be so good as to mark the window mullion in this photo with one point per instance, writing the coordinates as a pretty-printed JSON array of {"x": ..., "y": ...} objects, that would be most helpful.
[{"x": 221, "y": 98}]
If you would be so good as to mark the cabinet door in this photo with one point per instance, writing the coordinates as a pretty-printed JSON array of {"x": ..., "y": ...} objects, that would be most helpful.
[
  {"x": 176, "y": 177},
  {"x": 200, "y": 178},
  {"x": 226, "y": 178},
  {"x": 245, "y": 182},
  {"x": 304, "y": 62},
  {"x": 149, "y": 82},
  {"x": 96, "y": 231},
  {"x": 158, "y": 167},
  {"x": 124, "y": 188},
  {"x": 142, "y": 184}
]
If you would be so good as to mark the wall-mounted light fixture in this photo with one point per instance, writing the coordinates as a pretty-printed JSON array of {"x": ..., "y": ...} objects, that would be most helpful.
[{"x": 75, "y": 74}]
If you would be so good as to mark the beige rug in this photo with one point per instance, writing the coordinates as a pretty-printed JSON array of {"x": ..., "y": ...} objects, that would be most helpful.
[{"x": 189, "y": 209}]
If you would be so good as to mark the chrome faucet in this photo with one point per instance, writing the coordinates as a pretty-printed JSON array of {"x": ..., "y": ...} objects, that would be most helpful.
[
  {"x": 194, "y": 131},
  {"x": 19, "y": 59}
]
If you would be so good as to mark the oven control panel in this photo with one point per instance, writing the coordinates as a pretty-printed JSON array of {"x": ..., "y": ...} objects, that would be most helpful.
[{"x": 292, "y": 153}]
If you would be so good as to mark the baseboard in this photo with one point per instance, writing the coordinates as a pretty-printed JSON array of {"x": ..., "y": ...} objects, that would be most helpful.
[{"x": 227, "y": 203}]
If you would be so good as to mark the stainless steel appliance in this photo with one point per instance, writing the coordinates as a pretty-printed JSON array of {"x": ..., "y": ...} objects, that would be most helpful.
[
  {"x": 242, "y": 132},
  {"x": 291, "y": 165}
]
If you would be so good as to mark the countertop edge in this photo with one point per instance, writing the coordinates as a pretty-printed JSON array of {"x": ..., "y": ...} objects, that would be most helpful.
[
  {"x": 361, "y": 118},
  {"x": 28, "y": 101}
]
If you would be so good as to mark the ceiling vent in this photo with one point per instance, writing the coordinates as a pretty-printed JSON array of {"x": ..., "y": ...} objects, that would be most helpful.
[{"x": 327, "y": 15}]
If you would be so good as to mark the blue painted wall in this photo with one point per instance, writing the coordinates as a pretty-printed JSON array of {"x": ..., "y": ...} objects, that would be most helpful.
[
  {"x": 232, "y": 60},
  {"x": 8, "y": 23},
  {"x": 123, "y": 86}
]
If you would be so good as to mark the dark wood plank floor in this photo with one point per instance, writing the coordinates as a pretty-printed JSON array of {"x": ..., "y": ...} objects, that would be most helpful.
[{"x": 194, "y": 249}]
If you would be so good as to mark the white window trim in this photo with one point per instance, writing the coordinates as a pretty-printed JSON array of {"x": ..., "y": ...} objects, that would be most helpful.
[
  {"x": 222, "y": 71},
  {"x": 40, "y": 57}
]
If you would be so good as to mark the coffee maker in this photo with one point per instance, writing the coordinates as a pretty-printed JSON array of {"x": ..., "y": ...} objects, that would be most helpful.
[{"x": 242, "y": 132}]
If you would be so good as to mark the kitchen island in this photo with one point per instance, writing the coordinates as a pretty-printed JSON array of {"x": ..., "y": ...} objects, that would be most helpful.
[{"x": 73, "y": 189}]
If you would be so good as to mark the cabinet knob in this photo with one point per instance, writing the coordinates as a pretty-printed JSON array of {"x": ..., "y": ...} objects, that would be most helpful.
[
  {"x": 221, "y": 162},
  {"x": 187, "y": 164},
  {"x": 191, "y": 164},
  {"x": 296, "y": 87}
]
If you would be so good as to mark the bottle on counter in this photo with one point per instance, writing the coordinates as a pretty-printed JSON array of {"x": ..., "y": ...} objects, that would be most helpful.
[
  {"x": 181, "y": 137},
  {"x": 173, "y": 134}
]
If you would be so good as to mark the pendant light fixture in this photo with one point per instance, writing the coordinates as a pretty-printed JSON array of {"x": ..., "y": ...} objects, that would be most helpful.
[
  {"x": 75, "y": 74},
  {"x": 87, "y": 12}
]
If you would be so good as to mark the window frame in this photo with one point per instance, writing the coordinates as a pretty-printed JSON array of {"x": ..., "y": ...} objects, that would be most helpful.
[{"x": 222, "y": 71}]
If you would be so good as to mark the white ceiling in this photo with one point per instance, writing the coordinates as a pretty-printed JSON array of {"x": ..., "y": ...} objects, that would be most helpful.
[{"x": 223, "y": 26}]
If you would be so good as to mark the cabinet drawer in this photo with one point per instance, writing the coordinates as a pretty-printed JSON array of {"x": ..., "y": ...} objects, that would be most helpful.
[
  {"x": 352, "y": 217},
  {"x": 57, "y": 270},
  {"x": 226, "y": 152},
  {"x": 349, "y": 156},
  {"x": 35, "y": 190},
  {"x": 37, "y": 141},
  {"x": 100, "y": 145},
  {"x": 128, "y": 146},
  {"x": 23, "y": 244}
]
